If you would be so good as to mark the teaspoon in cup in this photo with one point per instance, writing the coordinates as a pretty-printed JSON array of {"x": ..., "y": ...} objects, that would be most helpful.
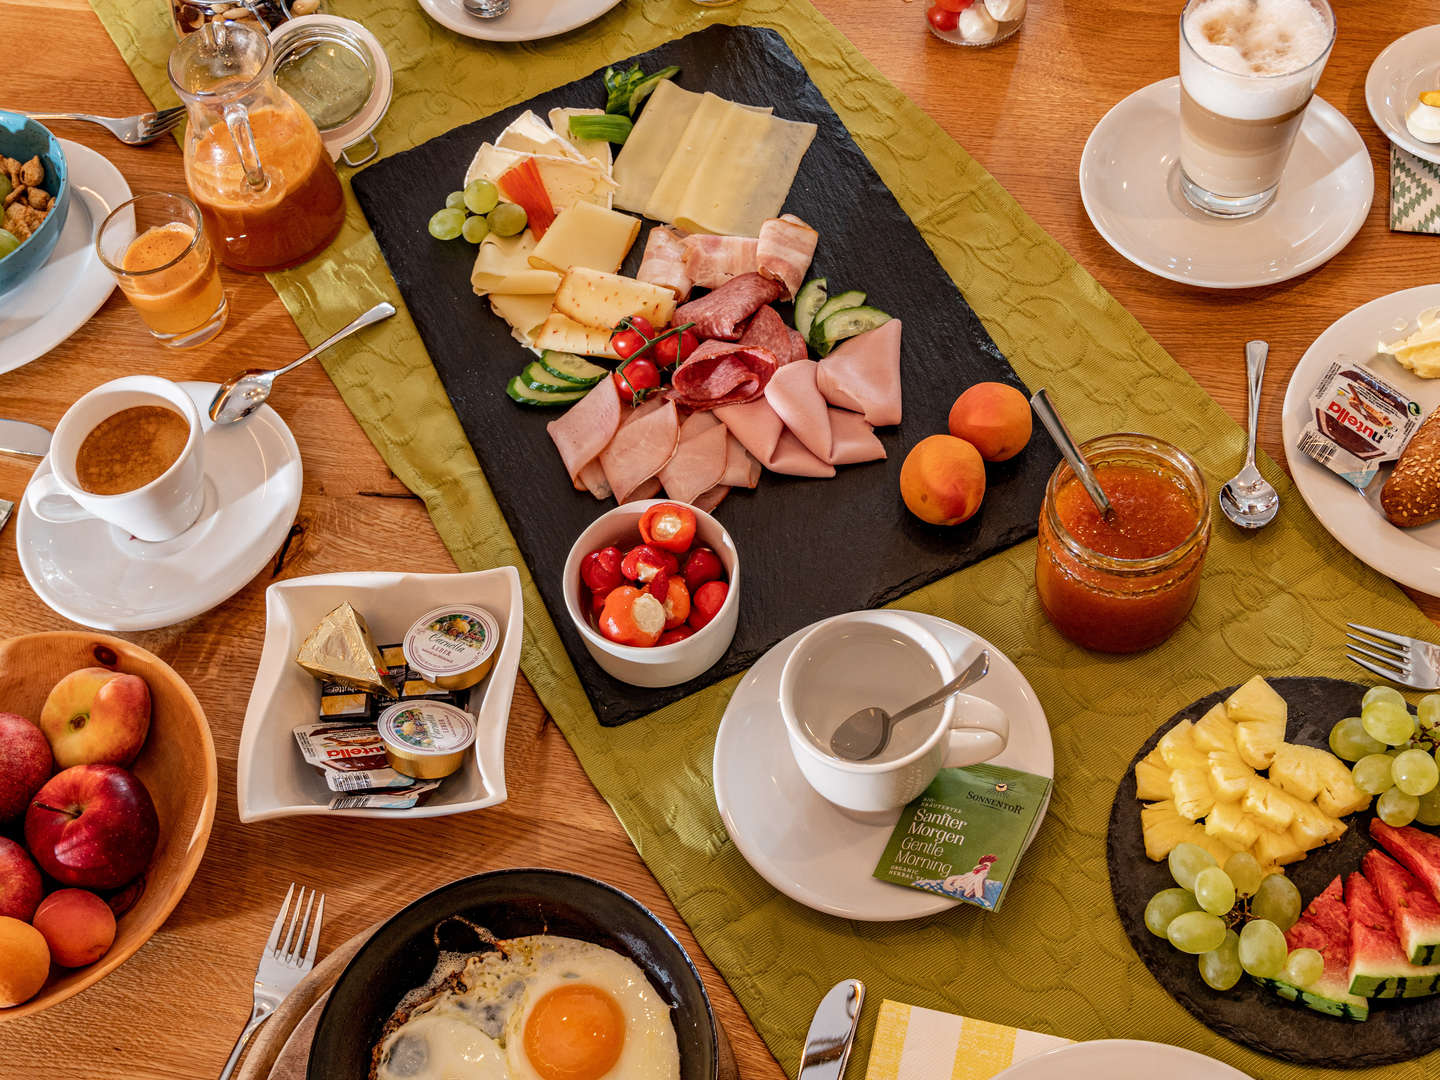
[{"x": 866, "y": 732}]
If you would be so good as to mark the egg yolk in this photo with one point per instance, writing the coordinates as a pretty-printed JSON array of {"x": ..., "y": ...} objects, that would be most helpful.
[{"x": 574, "y": 1033}]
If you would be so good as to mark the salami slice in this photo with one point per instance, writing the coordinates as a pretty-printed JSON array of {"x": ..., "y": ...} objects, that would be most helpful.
[
  {"x": 767, "y": 330},
  {"x": 719, "y": 314},
  {"x": 719, "y": 373}
]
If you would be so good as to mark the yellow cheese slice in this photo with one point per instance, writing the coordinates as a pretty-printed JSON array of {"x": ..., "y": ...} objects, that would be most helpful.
[
  {"x": 529, "y": 134},
  {"x": 651, "y": 144},
  {"x": 524, "y": 313},
  {"x": 597, "y": 150},
  {"x": 743, "y": 176},
  {"x": 711, "y": 115},
  {"x": 566, "y": 335},
  {"x": 502, "y": 265},
  {"x": 586, "y": 235},
  {"x": 597, "y": 299}
]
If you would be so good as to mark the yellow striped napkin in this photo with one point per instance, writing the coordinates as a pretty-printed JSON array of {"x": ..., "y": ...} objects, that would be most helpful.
[{"x": 912, "y": 1043}]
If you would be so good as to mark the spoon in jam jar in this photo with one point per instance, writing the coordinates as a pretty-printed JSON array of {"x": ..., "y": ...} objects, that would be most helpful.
[
  {"x": 1076, "y": 460},
  {"x": 1248, "y": 499}
]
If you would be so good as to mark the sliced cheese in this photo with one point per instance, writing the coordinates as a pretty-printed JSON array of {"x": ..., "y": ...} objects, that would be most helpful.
[
  {"x": 491, "y": 162},
  {"x": 743, "y": 176},
  {"x": 529, "y": 134},
  {"x": 597, "y": 299},
  {"x": 567, "y": 180},
  {"x": 586, "y": 235},
  {"x": 597, "y": 150},
  {"x": 502, "y": 265},
  {"x": 525, "y": 313},
  {"x": 566, "y": 335},
  {"x": 651, "y": 144},
  {"x": 705, "y": 124}
]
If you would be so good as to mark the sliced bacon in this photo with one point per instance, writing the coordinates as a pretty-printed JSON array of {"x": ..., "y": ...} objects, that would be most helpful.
[
  {"x": 784, "y": 250},
  {"x": 793, "y": 395},
  {"x": 585, "y": 430},
  {"x": 863, "y": 374},
  {"x": 713, "y": 260},
  {"x": 641, "y": 448},
  {"x": 719, "y": 373},
  {"x": 699, "y": 461},
  {"x": 760, "y": 430},
  {"x": 664, "y": 262},
  {"x": 719, "y": 314},
  {"x": 767, "y": 330}
]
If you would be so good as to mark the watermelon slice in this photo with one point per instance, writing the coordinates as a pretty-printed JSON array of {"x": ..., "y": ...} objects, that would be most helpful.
[
  {"x": 1412, "y": 908},
  {"x": 1325, "y": 927},
  {"x": 1418, "y": 852},
  {"x": 1379, "y": 967}
]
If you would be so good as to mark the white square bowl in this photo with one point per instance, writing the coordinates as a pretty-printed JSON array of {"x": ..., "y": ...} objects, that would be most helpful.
[{"x": 276, "y": 781}]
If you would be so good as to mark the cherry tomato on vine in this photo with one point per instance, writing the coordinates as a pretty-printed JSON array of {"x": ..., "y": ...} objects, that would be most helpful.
[
  {"x": 676, "y": 347},
  {"x": 628, "y": 340},
  {"x": 942, "y": 20},
  {"x": 636, "y": 379}
]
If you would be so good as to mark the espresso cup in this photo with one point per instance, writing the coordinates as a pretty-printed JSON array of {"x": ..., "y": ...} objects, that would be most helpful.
[
  {"x": 888, "y": 659},
  {"x": 159, "y": 510}
]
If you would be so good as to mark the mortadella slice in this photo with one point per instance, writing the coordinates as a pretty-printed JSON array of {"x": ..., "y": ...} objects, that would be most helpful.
[
  {"x": 699, "y": 461},
  {"x": 641, "y": 448},
  {"x": 719, "y": 373},
  {"x": 664, "y": 262},
  {"x": 796, "y": 399},
  {"x": 586, "y": 429},
  {"x": 863, "y": 375},
  {"x": 712, "y": 260},
  {"x": 784, "y": 250},
  {"x": 768, "y": 331},
  {"x": 760, "y": 430},
  {"x": 719, "y": 314}
]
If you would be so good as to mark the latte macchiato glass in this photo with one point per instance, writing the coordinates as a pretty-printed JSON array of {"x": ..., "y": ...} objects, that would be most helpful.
[{"x": 1248, "y": 69}]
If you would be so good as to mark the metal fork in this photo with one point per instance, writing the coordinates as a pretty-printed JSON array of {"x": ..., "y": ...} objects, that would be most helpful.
[
  {"x": 281, "y": 967},
  {"x": 1405, "y": 660},
  {"x": 132, "y": 130}
]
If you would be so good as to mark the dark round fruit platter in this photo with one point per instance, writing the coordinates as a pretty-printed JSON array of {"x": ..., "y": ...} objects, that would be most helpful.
[{"x": 1399, "y": 1029}]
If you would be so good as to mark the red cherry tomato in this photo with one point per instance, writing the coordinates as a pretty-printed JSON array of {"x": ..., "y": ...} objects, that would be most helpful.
[
  {"x": 600, "y": 570},
  {"x": 674, "y": 634},
  {"x": 677, "y": 603},
  {"x": 942, "y": 20},
  {"x": 597, "y": 605},
  {"x": 707, "y": 602},
  {"x": 702, "y": 565},
  {"x": 636, "y": 378},
  {"x": 642, "y": 562},
  {"x": 956, "y": 6},
  {"x": 626, "y": 343},
  {"x": 676, "y": 347},
  {"x": 632, "y": 617},
  {"x": 642, "y": 324},
  {"x": 669, "y": 527}
]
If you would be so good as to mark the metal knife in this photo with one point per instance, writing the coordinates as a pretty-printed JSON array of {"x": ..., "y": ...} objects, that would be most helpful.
[
  {"x": 18, "y": 437},
  {"x": 827, "y": 1044}
]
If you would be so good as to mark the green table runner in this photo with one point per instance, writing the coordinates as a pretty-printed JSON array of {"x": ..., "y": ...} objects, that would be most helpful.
[{"x": 1055, "y": 959}]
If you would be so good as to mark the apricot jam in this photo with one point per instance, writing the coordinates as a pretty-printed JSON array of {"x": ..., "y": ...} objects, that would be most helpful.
[{"x": 1123, "y": 584}]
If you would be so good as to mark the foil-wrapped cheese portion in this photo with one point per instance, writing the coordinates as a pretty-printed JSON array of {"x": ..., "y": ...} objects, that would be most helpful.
[{"x": 340, "y": 649}]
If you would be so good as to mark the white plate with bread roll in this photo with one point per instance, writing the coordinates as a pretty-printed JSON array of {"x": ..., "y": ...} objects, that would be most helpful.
[{"x": 1409, "y": 555}]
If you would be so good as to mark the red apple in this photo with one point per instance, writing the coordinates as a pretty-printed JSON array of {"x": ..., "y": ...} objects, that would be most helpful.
[
  {"x": 96, "y": 716},
  {"x": 78, "y": 926},
  {"x": 20, "y": 888},
  {"x": 92, "y": 826},
  {"x": 25, "y": 764}
]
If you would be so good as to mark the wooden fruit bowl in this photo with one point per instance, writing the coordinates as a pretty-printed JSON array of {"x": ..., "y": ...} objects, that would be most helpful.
[{"x": 177, "y": 766}]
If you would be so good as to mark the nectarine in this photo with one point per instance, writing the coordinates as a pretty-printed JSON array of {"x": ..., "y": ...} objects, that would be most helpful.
[
  {"x": 96, "y": 716},
  {"x": 943, "y": 480},
  {"x": 994, "y": 417},
  {"x": 78, "y": 926},
  {"x": 24, "y": 961}
]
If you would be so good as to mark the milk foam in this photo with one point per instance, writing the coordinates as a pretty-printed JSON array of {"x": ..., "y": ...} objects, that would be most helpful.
[{"x": 1252, "y": 59}]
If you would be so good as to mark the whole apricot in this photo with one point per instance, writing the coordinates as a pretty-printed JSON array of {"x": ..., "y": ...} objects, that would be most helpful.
[
  {"x": 943, "y": 480},
  {"x": 994, "y": 417},
  {"x": 77, "y": 925},
  {"x": 24, "y": 961}
]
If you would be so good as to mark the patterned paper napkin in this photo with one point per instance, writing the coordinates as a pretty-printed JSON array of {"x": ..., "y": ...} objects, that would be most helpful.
[
  {"x": 1414, "y": 193},
  {"x": 911, "y": 1043}
]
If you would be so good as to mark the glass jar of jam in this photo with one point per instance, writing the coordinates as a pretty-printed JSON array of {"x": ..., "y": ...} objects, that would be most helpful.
[{"x": 1123, "y": 584}]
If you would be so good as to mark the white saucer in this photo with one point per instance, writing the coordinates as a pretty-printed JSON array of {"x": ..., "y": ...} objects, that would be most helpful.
[
  {"x": 1129, "y": 182},
  {"x": 1409, "y": 556},
  {"x": 96, "y": 575},
  {"x": 1120, "y": 1059},
  {"x": 801, "y": 844},
  {"x": 1396, "y": 78},
  {"x": 72, "y": 284},
  {"x": 527, "y": 20}
]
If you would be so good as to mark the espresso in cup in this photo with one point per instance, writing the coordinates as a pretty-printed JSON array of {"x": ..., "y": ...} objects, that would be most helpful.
[{"x": 130, "y": 449}]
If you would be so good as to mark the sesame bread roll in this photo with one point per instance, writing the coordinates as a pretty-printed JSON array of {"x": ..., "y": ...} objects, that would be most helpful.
[{"x": 1412, "y": 494}]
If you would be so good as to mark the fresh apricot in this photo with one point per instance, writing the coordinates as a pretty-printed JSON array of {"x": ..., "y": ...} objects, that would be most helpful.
[
  {"x": 24, "y": 961},
  {"x": 993, "y": 417},
  {"x": 78, "y": 926},
  {"x": 943, "y": 480}
]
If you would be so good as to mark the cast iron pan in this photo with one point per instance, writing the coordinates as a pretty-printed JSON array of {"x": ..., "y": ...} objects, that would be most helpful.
[
  {"x": 510, "y": 903},
  {"x": 1249, "y": 1014}
]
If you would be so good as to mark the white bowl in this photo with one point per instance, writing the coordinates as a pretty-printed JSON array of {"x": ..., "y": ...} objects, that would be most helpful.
[
  {"x": 660, "y": 665},
  {"x": 275, "y": 781}
]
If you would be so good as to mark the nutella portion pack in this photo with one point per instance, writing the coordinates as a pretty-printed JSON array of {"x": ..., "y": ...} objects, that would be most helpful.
[
  {"x": 351, "y": 756},
  {"x": 1359, "y": 422}
]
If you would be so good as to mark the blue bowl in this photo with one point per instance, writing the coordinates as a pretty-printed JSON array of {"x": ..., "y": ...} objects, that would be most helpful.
[{"x": 23, "y": 138}]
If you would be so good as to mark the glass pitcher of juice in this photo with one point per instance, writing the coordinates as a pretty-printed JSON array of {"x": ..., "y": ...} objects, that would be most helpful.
[{"x": 254, "y": 161}]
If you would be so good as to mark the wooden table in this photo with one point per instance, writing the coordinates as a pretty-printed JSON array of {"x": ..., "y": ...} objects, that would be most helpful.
[{"x": 1023, "y": 109}]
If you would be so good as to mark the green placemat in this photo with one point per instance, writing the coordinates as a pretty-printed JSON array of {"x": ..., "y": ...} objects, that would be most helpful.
[{"x": 1055, "y": 959}]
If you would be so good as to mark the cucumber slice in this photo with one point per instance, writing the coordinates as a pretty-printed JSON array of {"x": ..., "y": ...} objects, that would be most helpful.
[
  {"x": 847, "y": 323},
  {"x": 518, "y": 391},
  {"x": 536, "y": 377},
  {"x": 808, "y": 301},
  {"x": 839, "y": 302},
  {"x": 568, "y": 367}
]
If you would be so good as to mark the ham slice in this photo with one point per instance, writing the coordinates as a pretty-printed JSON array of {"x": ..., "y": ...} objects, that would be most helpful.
[
  {"x": 585, "y": 430},
  {"x": 699, "y": 461},
  {"x": 648, "y": 490},
  {"x": 720, "y": 313},
  {"x": 767, "y": 330},
  {"x": 741, "y": 470},
  {"x": 719, "y": 373},
  {"x": 760, "y": 430},
  {"x": 592, "y": 478},
  {"x": 711, "y": 261},
  {"x": 641, "y": 448},
  {"x": 852, "y": 439},
  {"x": 712, "y": 498},
  {"x": 784, "y": 250},
  {"x": 863, "y": 374},
  {"x": 664, "y": 262},
  {"x": 796, "y": 399}
]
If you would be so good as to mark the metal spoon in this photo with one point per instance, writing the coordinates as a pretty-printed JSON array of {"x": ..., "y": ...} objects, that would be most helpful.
[
  {"x": 243, "y": 393},
  {"x": 1249, "y": 500},
  {"x": 1061, "y": 434},
  {"x": 485, "y": 9},
  {"x": 866, "y": 732}
]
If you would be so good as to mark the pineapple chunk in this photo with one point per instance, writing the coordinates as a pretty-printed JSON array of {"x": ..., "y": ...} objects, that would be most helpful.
[
  {"x": 1338, "y": 794},
  {"x": 1215, "y": 847},
  {"x": 1268, "y": 805},
  {"x": 1229, "y": 776},
  {"x": 1279, "y": 848},
  {"x": 1294, "y": 769},
  {"x": 1191, "y": 791},
  {"x": 1162, "y": 829},
  {"x": 1152, "y": 777},
  {"x": 1260, "y": 714},
  {"x": 1177, "y": 747},
  {"x": 1215, "y": 731},
  {"x": 1231, "y": 825},
  {"x": 1313, "y": 827}
]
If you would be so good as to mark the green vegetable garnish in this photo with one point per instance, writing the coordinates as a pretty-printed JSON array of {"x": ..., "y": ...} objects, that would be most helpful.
[
  {"x": 609, "y": 128},
  {"x": 646, "y": 85},
  {"x": 619, "y": 84}
]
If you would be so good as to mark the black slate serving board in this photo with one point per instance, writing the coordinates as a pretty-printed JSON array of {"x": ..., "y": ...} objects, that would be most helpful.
[
  {"x": 810, "y": 548},
  {"x": 1248, "y": 1014}
]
